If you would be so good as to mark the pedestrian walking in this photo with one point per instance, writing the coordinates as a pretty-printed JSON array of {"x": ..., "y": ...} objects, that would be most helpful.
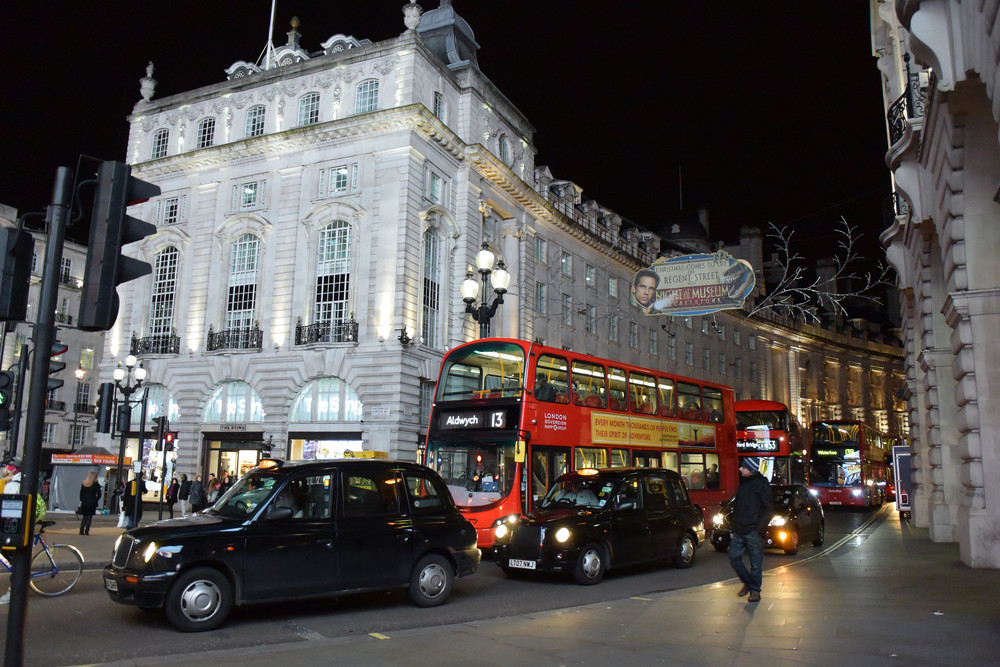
[
  {"x": 752, "y": 509},
  {"x": 184, "y": 495},
  {"x": 171, "y": 495},
  {"x": 90, "y": 495},
  {"x": 133, "y": 501}
]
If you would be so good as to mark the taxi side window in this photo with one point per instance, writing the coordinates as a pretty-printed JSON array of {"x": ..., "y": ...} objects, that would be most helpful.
[
  {"x": 655, "y": 493},
  {"x": 677, "y": 494},
  {"x": 307, "y": 497},
  {"x": 422, "y": 493},
  {"x": 629, "y": 496},
  {"x": 370, "y": 494}
]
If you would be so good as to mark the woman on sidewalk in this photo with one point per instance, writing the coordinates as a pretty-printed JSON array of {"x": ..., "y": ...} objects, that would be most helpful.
[{"x": 90, "y": 495}]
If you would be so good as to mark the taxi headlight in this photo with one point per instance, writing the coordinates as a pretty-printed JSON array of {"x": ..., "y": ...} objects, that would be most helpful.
[
  {"x": 150, "y": 551},
  {"x": 718, "y": 519},
  {"x": 778, "y": 521},
  {"x": 562, "y": 535}
]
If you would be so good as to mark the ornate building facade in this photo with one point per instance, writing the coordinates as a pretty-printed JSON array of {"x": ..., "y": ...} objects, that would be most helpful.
[{"x": 939, "y": 64}]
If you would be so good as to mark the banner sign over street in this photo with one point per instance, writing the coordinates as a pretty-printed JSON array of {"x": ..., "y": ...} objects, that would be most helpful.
[{"x": 693, "y": 284}]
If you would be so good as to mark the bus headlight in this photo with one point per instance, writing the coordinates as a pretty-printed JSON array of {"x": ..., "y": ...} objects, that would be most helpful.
[
  {"x": 501, "y": 531},
  {"x": 777, "y": 521},
  {"x": 562, "y": 535},
  {"x": 857, "y": 493}
]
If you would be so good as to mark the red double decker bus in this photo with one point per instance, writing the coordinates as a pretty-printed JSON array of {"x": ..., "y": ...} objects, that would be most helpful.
[
  {"x": 768, "y": 430},
  {"x": 849, "y": 463},
  {"x": 510, "y": 416}
]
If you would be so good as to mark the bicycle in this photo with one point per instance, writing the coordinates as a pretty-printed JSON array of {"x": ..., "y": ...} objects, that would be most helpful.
[{"x": 54, "y": 569}]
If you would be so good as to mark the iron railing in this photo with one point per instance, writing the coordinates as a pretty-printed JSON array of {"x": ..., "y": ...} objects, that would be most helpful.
[
  {"x": 249, "y": 338},
  {"x": 163, "y": 344},
  {"x": 326, "y": 332}
]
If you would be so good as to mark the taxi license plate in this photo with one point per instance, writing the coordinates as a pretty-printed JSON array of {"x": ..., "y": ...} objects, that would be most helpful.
[
  {"x": 111, "y": 585},
  {"x": 522, "y": 564}
]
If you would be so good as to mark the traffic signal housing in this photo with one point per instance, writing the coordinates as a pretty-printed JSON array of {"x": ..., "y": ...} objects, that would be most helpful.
[
  {"x": 8, "y": 382},
  {"x": 58, "y": 349},
  {"x": 16, "y": 250},
  {"x": 110, "y": 229},
  {"x": 105, "y": 406}
]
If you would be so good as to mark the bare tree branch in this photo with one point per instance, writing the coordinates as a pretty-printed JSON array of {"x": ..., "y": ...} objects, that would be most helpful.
[{"x": 794, "y": 295}]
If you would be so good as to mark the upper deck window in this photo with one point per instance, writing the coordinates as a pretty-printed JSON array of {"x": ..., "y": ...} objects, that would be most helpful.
[{"x": 488, "y": 370}]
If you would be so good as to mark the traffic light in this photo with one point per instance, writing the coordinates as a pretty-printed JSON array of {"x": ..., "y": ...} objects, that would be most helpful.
[
  {"x": 55, "y": 365},
  {"x": 105, "y": 406},
  {"x": 161, "y": 427},
  {"x": 110, "y": 229},
  {"x": 16, "y": 250},
  {"x": 8, "y": 380},
  {"x": 169, "y": 440}
]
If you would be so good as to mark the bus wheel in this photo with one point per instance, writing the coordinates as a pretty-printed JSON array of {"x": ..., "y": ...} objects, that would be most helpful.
[
  {"x": 820, "y": 534},
  {"x": 686, "y": 551},
  {"x": 590, "y": 565},
  {"x": 792, "y": 546}
]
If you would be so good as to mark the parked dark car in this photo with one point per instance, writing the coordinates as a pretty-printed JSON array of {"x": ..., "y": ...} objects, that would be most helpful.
[
  {"x": 798, "y": 517},
  {"x": 593, "y": 520},
  {"x": 295, "y": 530}
]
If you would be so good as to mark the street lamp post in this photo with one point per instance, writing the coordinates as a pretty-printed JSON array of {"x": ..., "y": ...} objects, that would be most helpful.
[
  {"x": 498, "y": 277},
  {"x": 128, "y": 380},
  {"x": 79, "y": 373}
]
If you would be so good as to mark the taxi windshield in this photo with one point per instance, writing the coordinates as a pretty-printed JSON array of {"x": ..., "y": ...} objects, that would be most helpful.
[
  {"x": 246, "y": 495},
  {"x": 578, "y": 492}
]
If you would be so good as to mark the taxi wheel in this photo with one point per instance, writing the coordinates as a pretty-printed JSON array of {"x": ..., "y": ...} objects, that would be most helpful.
[
  {"x": 820, "y": 534},
  {"x": 685, "y": 554},
  {"x": 199, "y": 600},
  {"x": 590, "y": 565},
  {"x": 431, "y": 581},
  {"x": 792, "y": 546}
]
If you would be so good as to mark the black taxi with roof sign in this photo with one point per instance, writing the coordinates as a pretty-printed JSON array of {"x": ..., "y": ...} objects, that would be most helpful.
[
  {"x": 296, "y": 530},
  {"x": 593, "y": 520}
]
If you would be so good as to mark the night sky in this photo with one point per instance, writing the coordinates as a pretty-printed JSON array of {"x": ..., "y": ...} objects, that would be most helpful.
[{"x": 762, "y": 112}]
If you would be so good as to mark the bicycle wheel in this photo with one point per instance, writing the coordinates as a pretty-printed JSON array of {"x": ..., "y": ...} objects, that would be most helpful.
[{"x": 55, "y": 571}]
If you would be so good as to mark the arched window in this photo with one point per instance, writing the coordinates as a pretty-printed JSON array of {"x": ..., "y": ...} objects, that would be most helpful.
[
  {"x": 160, "y": 140},
  {"x": 503, "y": 148},
  {"x": 161, "y": 308},
  {"x": 241, "y": 304},
  {"x": 309, "y": 109},
  {"x": 430, "y": 328},
  {"x": 206, "y": 132},
  {"x": 234, "y": 401},
  {"x": 255, "y": 121},
  {"x": 326, "y": 399},
  {"x": 366, "y": 98},
  {"x": 333, "y": 274},
  {"x": 158, "y": 402}
]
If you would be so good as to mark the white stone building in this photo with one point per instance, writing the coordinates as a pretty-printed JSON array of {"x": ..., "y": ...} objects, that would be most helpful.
[
  {"x": 319, "y": 213},
  {"x": 939, "y": 62}
]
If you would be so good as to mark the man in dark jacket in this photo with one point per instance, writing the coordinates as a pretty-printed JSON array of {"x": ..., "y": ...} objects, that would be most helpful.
[{"x": 752, "y": 511}]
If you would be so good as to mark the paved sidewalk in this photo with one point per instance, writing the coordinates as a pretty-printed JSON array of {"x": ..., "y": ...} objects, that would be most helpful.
[{"x": 887, "y": 597}]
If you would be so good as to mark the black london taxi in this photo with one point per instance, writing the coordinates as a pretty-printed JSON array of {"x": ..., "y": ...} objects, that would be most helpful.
[
  {"x": 593, "y": 520},
  {"x": 798, "y": 517},
  {"x": 290, "y": 530}
]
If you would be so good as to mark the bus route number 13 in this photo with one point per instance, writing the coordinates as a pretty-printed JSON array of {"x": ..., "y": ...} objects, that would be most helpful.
[{"x": 498, "y": 419}]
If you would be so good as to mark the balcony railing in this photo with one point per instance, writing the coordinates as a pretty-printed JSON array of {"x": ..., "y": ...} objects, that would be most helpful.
[
  {"x": 59, "y": 406},
  {"x": 163, "y": 344},
  {"x": 326, "y": 332},
  {"x": 250, "y": 338},
  {"x": 64, "y": 318},
  {"x": 84, "y": 408},
  {"x": 894, "y": 206}
]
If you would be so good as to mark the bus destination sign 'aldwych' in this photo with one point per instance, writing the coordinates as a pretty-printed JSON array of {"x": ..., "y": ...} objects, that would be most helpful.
[{"x": 693, "y": 284}]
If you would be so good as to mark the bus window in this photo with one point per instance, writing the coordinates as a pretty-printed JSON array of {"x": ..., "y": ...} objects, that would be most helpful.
[
  {"x": 665, "y": 388},
  {"x": 711, "y": 471},
  {"x": 713, "y": 405},
  {"x": 590, "y": 457},
  {"x": 617, "y": 389},
  {"x": 642, "y": 393},
  {"x": 551, "y": 379},
  {"x": 670, "y": 461},
  {"x": 588, "y": 385},
  {"x": 688, "y": 401},
  {"x": 693, "y": 470},
  {"x": 619, "y": 458},
  {"x": 481, "y": 371},
  {"x": 547, "y": 463}
]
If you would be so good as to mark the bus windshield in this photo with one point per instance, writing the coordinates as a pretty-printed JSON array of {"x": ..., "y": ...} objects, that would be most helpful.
[
  {"x": 835, "y": 473},
  {"x": 476, "y": 473},
  {"x": 757, "y": 420},
  {"x": 491, "y": 370}
]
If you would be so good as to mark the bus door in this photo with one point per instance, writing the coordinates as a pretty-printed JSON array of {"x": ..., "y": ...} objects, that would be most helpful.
[
  {"x": 547, "y": 463},
  {"x": 647, "y": 460}
]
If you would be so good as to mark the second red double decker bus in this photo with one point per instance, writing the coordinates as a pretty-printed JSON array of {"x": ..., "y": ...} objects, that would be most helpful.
[
  {"x": 768, "y": 430},
  {"x": 510, "y": 416}
]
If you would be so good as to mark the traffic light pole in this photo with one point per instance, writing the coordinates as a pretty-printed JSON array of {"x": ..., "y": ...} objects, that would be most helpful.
[
  {"x": 15, "y": 427},
  {"x": 56, "y": 219}
]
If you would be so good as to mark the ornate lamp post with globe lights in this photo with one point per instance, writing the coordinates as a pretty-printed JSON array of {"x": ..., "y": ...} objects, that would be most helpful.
[
  {"x": 498, "y": 277},
  {"x": 128, "y": 380}
]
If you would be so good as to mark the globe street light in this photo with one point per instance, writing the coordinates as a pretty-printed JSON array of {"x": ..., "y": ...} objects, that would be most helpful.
[
  {"x": 128, "y": 380},
  {"x": 79, "y": 373},
  {"x": 498, "y": 277}
]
